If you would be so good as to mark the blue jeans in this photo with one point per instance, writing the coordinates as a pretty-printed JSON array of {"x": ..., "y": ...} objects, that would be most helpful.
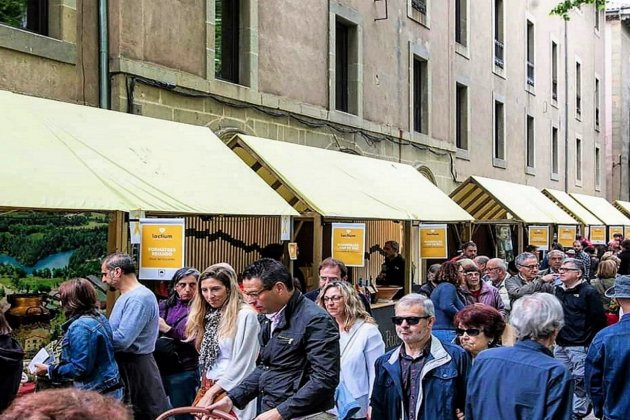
[
  {"x": 573, "y": 358},
  {"x": 181, "y": 389},
  {"x": 445, "y": 336}
]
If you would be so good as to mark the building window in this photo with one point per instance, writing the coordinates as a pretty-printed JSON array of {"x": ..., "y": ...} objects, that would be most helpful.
[
  {"x": 554, "y": 151},
  {"x": 530, "y": 159},
  {"x": 596, "y": 104},
  {"x": 578, "y": 160},
  {"x": 554, "y": 71},
  {"x": 578, "y": 90},
  {"x": 420, "y": 92},
  {"x": 346, "y": 66},
  {"x": 30, "y": 15},
  {"x": 597, "y": 168},
  {"x": 499, "y": 130},
  {"x": 420, "y": 6},
  {"x": 499, "y": 59},
  {"x": 418, "y": 10},
  {"x": 461, "y": 22},
  {"x": 227, "y": 34},
  {"x": 530, "y": 53},
  {"x": 461, "y": 117},
  {"x": 597, "y": 16}
]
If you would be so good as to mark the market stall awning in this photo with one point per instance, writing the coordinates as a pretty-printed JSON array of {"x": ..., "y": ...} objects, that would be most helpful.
[
  {"x": 341, "y": 185},
  {"x": 623, "y": 206},
  {"x": 491, "y": 199},
  {"x": 575, "y": 209},
  {"x": 57, "y": 155},
  {"x": 601, "y": 208}
]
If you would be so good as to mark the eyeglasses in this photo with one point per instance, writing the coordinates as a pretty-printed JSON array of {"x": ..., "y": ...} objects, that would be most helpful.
[
  {"x": 327, "y": 279},
  {"x": 411, "y": 320},
  {"x": 256, "y": 294},
  {"x": 564, "y": 269},
  {"x": 492, "y": 268},
  {"x": 472, "y": 273},
  {"x": 530, "y": 267},
  {"x": 471, "y": 332},
  {"x": 327, "y": 299}
]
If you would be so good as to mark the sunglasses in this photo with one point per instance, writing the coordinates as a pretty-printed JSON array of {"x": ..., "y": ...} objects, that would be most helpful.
[
  {"x": 411, "y": 320},
  {"x": 472, "y": 332}
]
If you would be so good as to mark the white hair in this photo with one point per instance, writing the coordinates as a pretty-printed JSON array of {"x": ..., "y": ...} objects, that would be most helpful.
[
  {"x": 415, "y": 299},
  {"x": 537, "y": 316}
]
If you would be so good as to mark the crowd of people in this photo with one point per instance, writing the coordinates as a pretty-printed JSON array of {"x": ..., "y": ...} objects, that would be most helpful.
[{"x": 255, "y": 347}]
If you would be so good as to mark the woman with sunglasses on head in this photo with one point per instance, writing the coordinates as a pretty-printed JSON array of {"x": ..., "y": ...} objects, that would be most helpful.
[
  {"x": 87, "y": 349},
  {"x": 447, "y": 300},
  {"x": 360, "y": 341},
  {"x": 225, "y": 330},
  {"x": 479, "y": 327},
  {"x": 175, "y": 356}
]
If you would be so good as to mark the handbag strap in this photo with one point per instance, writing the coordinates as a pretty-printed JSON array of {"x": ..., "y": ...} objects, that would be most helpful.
[{"x": 354, "y": 334}]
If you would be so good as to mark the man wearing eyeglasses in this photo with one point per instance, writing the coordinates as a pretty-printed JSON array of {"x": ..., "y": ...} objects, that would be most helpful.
[
  {"x": 497, "y": 274},
  {"x": 527, "y": 281},
  {"x": 297, "y": 370},
  {"x": 423, "y": 378},
  {"x": 583, "y": 317}
]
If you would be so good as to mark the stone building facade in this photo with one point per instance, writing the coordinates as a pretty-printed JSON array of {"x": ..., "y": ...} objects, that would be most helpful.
[{"x": 452, "y": 89}]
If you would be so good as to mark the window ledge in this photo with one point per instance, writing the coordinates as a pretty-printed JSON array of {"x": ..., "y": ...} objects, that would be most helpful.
[
  {"x": 555, "y": 177},
  {"x": 462, "y": 154},
  {"x": 38, "y": 45},
  {"x": 598, "y": 188},
  {"x": 530, "y": 89},
  {"x": 578, "y": 183},
  {"x": 530, "y": 171},
  {"x": 498, "y": 71},
  {"x": 554, "y": 103},
  {"x": 462, "y": 50},
  {"x": 499, "y": 163}
]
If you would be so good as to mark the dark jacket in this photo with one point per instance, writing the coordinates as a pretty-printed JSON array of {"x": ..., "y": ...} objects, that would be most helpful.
[
  {"x": 583, "y": 315},
  {"x": 606, "y": 371},
  {"x": 176, "y": 316},
  {"x": 447, "y": 303},
  {"x": 11, "y": 357},
  {"x": 87, "y": 354},
  {"x": 297, "y": 370},
  {"x": 624, "y": 266},
  {"x": 521, "y": 382},
  {"x": 517, "y": 287},
  {"x": 442, "y": 390}
]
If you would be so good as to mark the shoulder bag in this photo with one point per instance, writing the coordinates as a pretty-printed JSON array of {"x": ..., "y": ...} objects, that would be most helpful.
[{"x": 345, "y": 403}]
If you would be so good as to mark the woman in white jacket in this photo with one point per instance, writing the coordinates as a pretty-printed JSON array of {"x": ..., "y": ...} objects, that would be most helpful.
[
  {"x": 360, "y": 341},
  {"x": 225, "y": 330}
]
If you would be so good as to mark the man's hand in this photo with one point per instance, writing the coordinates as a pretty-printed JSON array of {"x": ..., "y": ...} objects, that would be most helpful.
[
  {"x": 270, "y": 415},
  {"x": 225, "y": 404},
  {"x": 164, "y": 327},
  {"x": 459, "y": 414},
  {"x": 548, "y": 278},
  {"x": 40, "y": 369}
]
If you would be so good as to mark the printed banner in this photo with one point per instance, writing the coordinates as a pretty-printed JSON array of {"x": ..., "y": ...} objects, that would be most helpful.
[
  {"x": 626, "y": 232},
  {"x": 433, "y": 241},
  {"x": 285, "y": 228},
  {"x": 161, "y": 249},
  {"x": 614, "y": 229},
  {"x": 539, "y": 237},
  {"x": 348, "y": 243},
  {"x": 598, "y": 235},
  {"x": 566, "y": 235}
]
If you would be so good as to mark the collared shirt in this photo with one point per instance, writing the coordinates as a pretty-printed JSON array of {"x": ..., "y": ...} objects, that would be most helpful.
[
  {"x": 411, "y": 369},
  {"x": 275, "y": 319}
]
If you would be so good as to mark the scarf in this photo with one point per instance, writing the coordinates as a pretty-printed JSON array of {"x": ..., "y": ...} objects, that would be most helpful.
[{"x": 209, "y": 351}]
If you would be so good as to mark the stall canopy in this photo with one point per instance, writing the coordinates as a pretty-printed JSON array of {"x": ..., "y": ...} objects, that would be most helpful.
[
  {"x": 57, "y": 155},
  {"x": 343, "y": 185},
  {"x": 601, "y": 208},
  {"x": 575, "y": 209},
  {"x": 491, "y": 199},
  {"x": 623, "y": 206}
]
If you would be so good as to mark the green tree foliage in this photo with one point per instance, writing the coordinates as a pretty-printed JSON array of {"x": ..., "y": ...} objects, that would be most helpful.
[
  {"x": 563, "y": 8},
  {"x": 12, "y": 12}
]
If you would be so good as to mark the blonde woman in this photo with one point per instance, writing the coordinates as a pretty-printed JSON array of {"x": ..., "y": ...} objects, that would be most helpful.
[
  {"x": 360, "y": 341},
  {"x": 225, "y": 330}
]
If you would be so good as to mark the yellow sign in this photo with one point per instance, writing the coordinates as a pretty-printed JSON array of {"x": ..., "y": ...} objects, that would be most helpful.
[
  {"x": 598, "y": 235},
  {"x": 539, "y": 237},
  {"x": 348, "y": 243},
  {"x": 566, "y": 235},
  {"x": 161, "y": 248},
  {"x": 433, "y": 241},
  {"x": 614, "y": 229},
  {"x": 626, "y": 232}
]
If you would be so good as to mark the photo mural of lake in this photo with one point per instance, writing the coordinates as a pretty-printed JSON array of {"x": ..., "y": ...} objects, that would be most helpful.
[{"x": 58, "y": 260}]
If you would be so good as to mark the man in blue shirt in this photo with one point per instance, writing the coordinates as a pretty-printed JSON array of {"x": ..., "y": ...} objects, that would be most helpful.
[
  {"x": 134, "y": 321},
  {"x": 523, "y": 382},
  {"x": 608, "y": 361}
]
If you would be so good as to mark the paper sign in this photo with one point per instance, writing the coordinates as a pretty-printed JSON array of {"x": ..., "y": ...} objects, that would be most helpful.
[
  {"x": 293, "y": 250},
  {"x": 135, "y": 237},
  {"x": 285, "y": 228},
  {"x": 626, "y": 232},
  {"x": 566, "y": 235},
  {"x": 161, "y": 248},
  {"x": 348, "y": 243},
  {"x": 598, "y": 235},
  {"x": 433, "y": 241},
  {"x": 539, "y": 237},
  {"x": 41, "y": 358},
  {"x": 614, "y": 229}
]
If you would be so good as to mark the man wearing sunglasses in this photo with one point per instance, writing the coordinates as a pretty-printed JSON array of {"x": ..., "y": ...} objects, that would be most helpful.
[
  {"x": 423, "y": 378},
  {"x": 527, "y": 281}
]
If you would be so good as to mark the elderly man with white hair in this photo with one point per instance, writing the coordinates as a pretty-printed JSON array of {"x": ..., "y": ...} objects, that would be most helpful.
[{"x": 524, "y": 381}]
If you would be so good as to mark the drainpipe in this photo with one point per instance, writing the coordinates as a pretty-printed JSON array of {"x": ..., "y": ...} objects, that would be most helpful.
[
  {"x": 103, "y": 55},
  {"x": 566, "y": 109}
]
